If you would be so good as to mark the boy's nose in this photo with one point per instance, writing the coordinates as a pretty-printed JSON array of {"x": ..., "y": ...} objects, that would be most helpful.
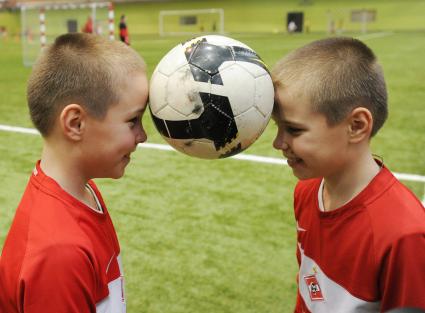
[
  {"x": 276, "y": 144},
  {"x": 141, "y": 136},
  {"x": 279, "y": 142}
]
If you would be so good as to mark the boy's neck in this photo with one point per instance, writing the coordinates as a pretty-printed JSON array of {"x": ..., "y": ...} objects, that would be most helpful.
[
  {"x": 341, "y": 188},
  {"x": 57, "y": 163}
]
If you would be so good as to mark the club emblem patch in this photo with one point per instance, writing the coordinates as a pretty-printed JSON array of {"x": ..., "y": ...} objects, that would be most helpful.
[{"x": 314, "y": 288}]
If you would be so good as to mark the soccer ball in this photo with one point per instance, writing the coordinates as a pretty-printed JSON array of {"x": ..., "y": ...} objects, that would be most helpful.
[{"x": 211, "y": 97}]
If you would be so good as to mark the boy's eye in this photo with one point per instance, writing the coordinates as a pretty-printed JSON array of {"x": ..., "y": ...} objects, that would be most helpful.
[
  {"x": 134, "y": 121},
  {"x": 288, "y": 128},
  {"x": 293, "y": 130}
]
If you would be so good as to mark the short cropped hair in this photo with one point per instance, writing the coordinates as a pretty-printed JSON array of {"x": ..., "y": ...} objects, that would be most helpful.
[
  {"x": 336, "y": 75},
  {"x": 79, "y": 68}
]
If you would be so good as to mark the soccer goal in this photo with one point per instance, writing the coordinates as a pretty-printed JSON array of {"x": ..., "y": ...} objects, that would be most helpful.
[
  {"x": 191, "y": 22},
  {"x": 42, "y": 23}
]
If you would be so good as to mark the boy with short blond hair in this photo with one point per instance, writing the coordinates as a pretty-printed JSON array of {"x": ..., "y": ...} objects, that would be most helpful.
[
  {"x": 360, "y": 232},
  {"x": 86, "y": 96}
]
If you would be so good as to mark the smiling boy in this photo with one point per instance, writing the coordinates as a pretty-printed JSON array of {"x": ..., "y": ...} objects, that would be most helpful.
[
  {"x": 86, "y": 96},
  {"x": 360, "y": 232}
]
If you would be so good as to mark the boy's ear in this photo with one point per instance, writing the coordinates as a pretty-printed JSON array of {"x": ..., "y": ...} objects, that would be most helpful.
[
  {"x": 72, "y": 121},
  {"x": 360, "y": 124}
]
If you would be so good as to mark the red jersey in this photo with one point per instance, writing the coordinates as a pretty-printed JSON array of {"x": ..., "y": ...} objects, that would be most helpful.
[
  {"x": 366, "y": 256},
  {"x": 60, "y": 255}
]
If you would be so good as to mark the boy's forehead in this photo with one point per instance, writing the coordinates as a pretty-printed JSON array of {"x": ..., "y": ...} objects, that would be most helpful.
[
  {"x": 282, "y": 101},
  {"x": 134, "y": 93},
  {"x": 276, "y": 109},
  {"x": 291, "y": 104}
]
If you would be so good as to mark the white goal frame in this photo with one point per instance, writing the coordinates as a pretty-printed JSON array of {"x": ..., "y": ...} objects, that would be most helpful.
[
  {"x": 165, "y": 13},
  {"x": 35, "y": 35}
]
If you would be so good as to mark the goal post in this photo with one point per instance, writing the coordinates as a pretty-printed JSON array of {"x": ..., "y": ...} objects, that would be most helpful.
[
  {"x": 41, "y": 23},
  {"x": 191, "y": 22}
]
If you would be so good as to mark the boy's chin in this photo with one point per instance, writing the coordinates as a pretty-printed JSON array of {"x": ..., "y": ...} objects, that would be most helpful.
[
  {"x": 118, "y": 175},
  {"x": 119, "y": 171},
  {"x": 303, "y": 176}
]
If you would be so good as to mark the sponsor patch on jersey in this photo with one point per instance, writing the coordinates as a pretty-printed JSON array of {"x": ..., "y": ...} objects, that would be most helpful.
[{"x": 314, "y": 288}]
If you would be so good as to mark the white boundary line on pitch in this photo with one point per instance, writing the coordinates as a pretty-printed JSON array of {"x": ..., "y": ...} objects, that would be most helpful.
[
  {"x": 374, "y": 35},
  {"x": 241, "y": 156}
]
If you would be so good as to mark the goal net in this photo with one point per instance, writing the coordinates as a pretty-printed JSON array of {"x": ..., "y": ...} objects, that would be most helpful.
[
  {"x": 42, "y": 23},
  {"x": 191, "y": 22}
]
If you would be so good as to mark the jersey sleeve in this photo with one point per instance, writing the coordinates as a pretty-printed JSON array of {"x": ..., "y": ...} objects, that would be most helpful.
[
  {"x": 59, "y": 279},
  {"x": 403, "y": 279}
]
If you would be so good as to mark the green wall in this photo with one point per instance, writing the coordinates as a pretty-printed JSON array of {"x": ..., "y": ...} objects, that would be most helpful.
[
  {"x": 270, "y": 15},
  {"x": 247, "y": 16}
]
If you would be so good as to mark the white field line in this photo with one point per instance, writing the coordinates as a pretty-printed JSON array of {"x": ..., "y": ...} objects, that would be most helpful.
[
  {"x": 241, "y": 156},
  {"x": 374, "y": 35}
]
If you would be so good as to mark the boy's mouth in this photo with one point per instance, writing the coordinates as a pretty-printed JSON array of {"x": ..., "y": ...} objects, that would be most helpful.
[
  {"x": 293, "y": 160},
  {"x": 128, "y": 155}
]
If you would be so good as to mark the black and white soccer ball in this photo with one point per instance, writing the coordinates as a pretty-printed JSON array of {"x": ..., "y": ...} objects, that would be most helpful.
[{"x": 211, "y": 97}]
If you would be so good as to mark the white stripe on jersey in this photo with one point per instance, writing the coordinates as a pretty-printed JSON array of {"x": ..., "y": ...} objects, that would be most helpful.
[
  {"x": 115, "y": 301},
  {"x": 336, "y": 299}
]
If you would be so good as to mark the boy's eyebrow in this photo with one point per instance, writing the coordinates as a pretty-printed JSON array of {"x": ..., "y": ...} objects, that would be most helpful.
[
  {"x": 137, "y": 111},
  {"x": 293, "y": 123}
]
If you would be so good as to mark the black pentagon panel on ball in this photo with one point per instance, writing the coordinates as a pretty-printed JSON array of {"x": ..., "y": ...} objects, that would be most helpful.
[
  {"x": 219, "y": 120},
  {"x": 199, "y": 75},
  {"x": 180, "y": 129},
  {"x": 205, "y": 98},
  {"x": 247, "y": 55},
  {"x": 210, "y": 57}
]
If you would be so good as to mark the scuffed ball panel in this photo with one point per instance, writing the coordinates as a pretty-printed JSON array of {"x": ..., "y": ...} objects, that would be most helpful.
[
  {"x": 183, "y": 93},
  {"x": 179, "y": 92}
]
